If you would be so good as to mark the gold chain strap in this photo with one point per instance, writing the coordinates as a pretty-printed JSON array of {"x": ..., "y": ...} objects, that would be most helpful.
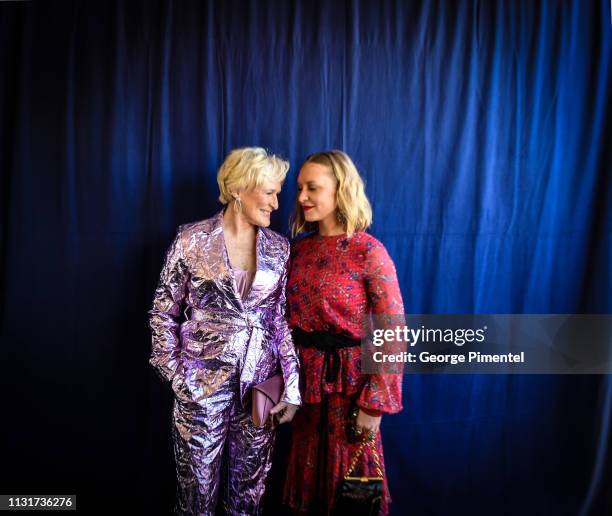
[{"x": 368, "y": 441}]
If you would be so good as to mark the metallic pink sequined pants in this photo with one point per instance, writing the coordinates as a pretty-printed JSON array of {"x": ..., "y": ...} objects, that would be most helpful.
[{"x": 217, "y": 448}]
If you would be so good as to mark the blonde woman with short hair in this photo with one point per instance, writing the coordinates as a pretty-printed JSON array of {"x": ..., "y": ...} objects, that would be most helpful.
[
  {"x": 219, "y": 329},
  {"x": 339, "y": 274}
]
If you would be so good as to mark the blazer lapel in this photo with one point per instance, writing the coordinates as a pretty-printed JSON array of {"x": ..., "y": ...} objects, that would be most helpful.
[
  {"x": 261, "y": 264},
  {"x": 226, "y": 275}
]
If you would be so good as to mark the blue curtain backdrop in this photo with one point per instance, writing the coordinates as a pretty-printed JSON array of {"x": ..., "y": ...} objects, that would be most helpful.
[{"x": 483, "y": 131}]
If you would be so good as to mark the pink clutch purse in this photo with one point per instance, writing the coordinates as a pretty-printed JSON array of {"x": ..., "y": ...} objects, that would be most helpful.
[{"x": 265, "y": 396}]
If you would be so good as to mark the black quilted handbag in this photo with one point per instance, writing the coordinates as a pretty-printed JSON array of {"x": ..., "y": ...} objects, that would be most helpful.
[{"x": 360, "y": 496}]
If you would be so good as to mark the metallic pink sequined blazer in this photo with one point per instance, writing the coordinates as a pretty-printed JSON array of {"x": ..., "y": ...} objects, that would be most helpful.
[{"x": 204, "y": 335}]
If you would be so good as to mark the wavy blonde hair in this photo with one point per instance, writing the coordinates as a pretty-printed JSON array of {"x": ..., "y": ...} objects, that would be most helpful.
[
  {"x": 352, "y": 205},
  {"x": 246, "y": 169}
]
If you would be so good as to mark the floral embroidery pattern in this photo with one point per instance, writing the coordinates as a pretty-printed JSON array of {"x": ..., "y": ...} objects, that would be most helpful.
[{"x": 334, "y": 283}]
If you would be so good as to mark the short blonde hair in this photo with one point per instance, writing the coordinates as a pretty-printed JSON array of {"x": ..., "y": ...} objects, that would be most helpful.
[
  {"x": 246, "y": 169},
  {"x": 354, "y": 209}
]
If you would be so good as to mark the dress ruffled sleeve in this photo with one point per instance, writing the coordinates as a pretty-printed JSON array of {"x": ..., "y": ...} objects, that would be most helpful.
[
  {"x": 382, "y": 392},
  {"x": 163, "y": 318}
]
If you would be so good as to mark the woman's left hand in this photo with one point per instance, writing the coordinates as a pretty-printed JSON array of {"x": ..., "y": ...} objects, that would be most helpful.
[
  {"x": 366, "y": 423},
  {"x": 285, "y": 410}
]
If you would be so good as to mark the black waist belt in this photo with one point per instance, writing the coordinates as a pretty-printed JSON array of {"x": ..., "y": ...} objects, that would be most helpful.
[{"x": 328, "y": 342}]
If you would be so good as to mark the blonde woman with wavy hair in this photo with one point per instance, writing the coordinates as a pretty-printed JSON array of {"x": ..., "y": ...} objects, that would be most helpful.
[
  {"x": 339, "y": 274},
  {"x": 219, "y": 329},
  {"x": 353, "y": 209}
]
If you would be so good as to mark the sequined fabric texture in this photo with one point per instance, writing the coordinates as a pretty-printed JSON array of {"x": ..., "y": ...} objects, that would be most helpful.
[{"x": 213, "y": 346}]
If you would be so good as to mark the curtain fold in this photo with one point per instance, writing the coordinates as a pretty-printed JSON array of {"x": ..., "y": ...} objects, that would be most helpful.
[{"x": 482, "y": 129}]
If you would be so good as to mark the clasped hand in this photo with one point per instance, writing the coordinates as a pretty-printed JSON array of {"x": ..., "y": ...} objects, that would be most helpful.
[{"x": 282, "y": 412}]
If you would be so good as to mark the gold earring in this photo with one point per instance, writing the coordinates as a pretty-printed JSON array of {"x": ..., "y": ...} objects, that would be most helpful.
[{"x": 237, "y": 205}]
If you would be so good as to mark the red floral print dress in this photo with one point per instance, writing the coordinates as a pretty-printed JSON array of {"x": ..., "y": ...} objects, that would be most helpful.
[{"x": 334, "y": 282}]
